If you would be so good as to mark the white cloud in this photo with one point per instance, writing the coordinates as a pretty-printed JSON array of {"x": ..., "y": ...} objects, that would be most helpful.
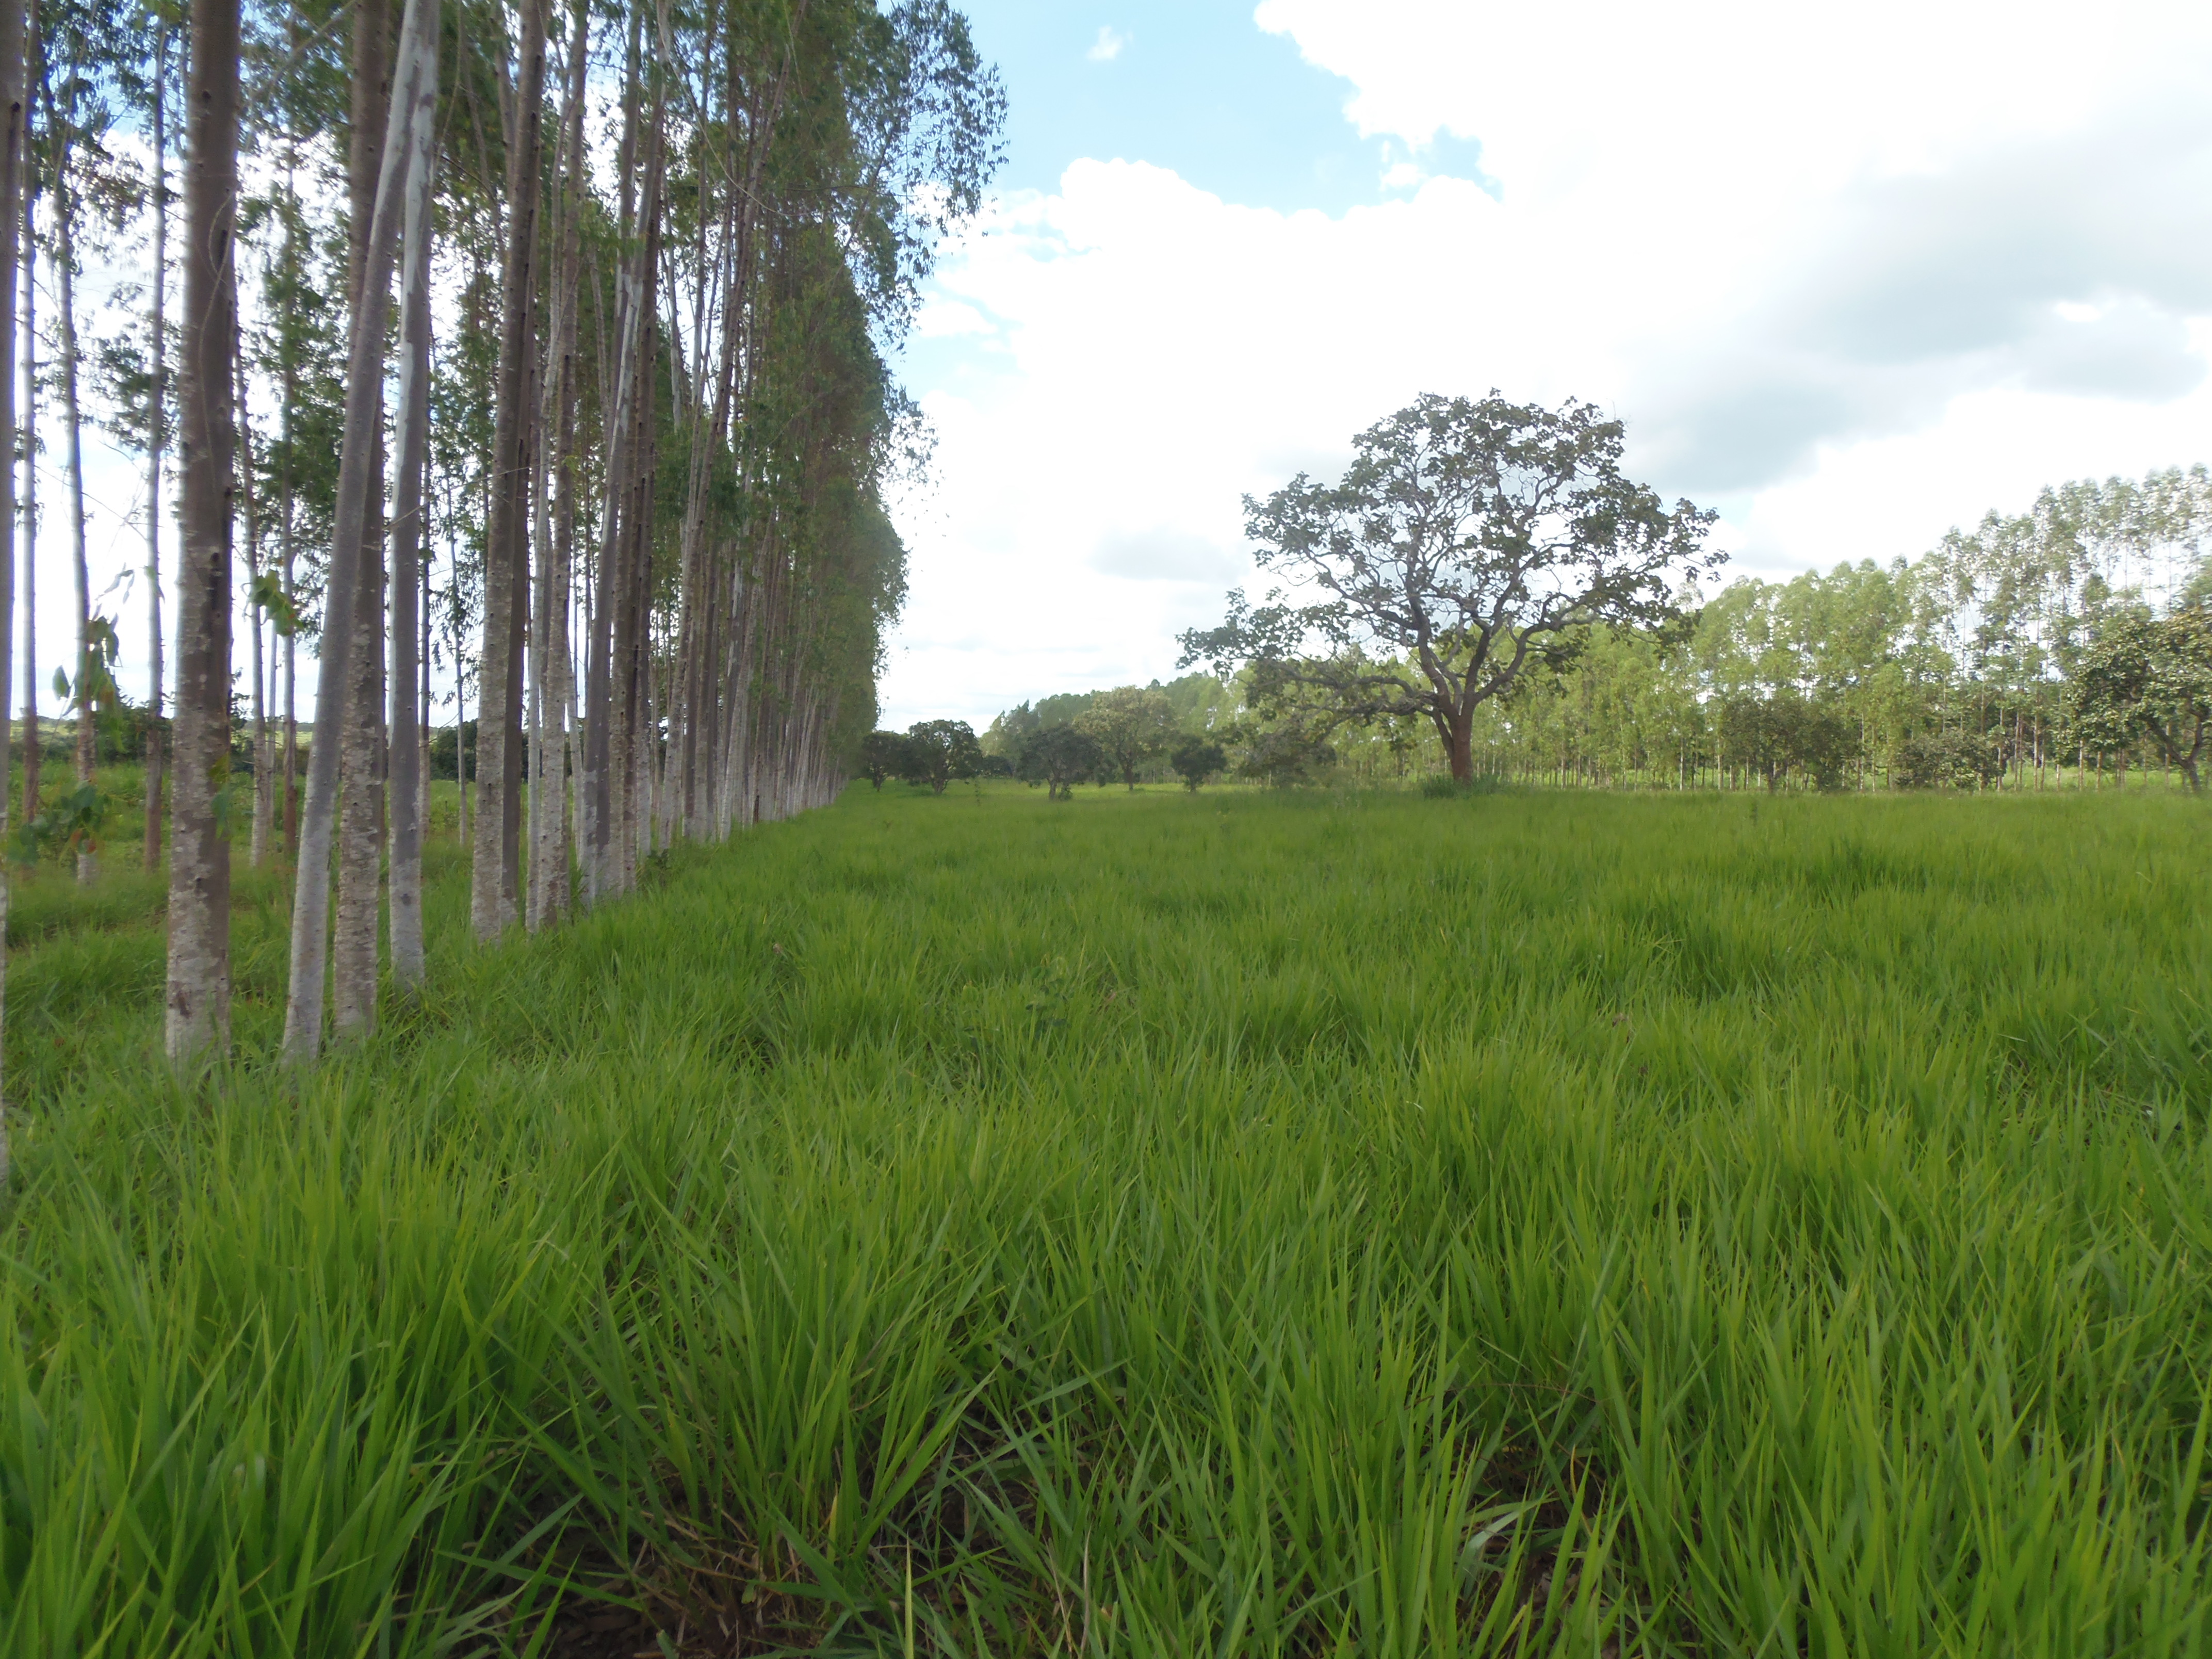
[
  {"x": 1165, "y": 554},
  {"x": 1851, "y": 279},
  {"x": 1108, "y": 46}
]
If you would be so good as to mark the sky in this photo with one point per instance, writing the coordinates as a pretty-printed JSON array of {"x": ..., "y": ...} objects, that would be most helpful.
[{"x": 1850, "y": 276}]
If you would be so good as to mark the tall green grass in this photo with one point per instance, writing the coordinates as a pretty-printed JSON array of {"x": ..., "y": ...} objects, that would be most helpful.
[{"x": 1165, "y": 1225}]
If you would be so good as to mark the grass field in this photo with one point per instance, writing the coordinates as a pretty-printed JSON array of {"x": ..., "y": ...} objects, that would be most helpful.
[{"x": 1343, "y": 1224}]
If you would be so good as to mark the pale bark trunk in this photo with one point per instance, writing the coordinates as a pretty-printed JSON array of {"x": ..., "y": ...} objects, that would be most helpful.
[
  {"x": 357, "y": 465},
  {"x": 15, "y": 121},
  {"x": 603, "y": 753},
  {"x": 156, "y": 432},
  {"x": 88, "y": 861},
  {"x": 423, "y": 697},
  {"x": 30, "y": 433},
  {"x": 287, "y": 549},
  {"x": 257, "y": 839},
  {"x": 353, "y": 941},
  {"x": 550, "y": 674},
  {"x": 198, "y": 1020},
  {"x": 461, "y": 753},
  {"x": 496, "y": 865},
  {"x": 414, "y": 426}
]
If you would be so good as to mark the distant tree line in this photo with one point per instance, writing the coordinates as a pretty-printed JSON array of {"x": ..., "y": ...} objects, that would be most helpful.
[
  {"x": 548, "y": 344},
  {"x": 1484, "y": 594},
  {"x": 2067, "y": 645}
]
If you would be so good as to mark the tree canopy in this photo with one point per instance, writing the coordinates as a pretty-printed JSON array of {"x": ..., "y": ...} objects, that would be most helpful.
[
  {"x": 1467, "y": 537},
  {"x": 1131, "y": 724},
  {"x": 2150, "y": 677}
]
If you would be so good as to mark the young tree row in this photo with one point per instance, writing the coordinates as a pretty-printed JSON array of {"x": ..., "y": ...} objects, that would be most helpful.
[{"x": 543, "y": 346}]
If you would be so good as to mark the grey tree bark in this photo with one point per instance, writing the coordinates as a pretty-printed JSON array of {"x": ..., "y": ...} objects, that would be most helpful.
[
  {"x": 287, "y": 547},
  {"x": 15, "y": 121},
  {"x": 157, "y": 400},
  {"x": 357, "y": 469},
  {"x": 549, "y": 663},
  {"x": 65, "y": 211},
  {"x": 405, "y": 879},
  {"x": 256, "y": 848},
  {"x": 354, "y": 942},
  {"x": 602, "y": 754},
  {"x": 29, "y": 444},
  {"x": 198, "y": 1019},
  {"x": 497, "y": 855}
]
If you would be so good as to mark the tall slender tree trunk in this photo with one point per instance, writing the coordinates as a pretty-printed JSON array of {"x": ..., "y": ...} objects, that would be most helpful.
[
  {"x": 33, "y": 746},
  {"x": 86, "y": 677},
  {"x": 549, "y": 656},
  {"x": 354, "y": 942},
  {"x": 414, "y": 423},
  {"x": 287, "y": 548},
  {"x": 257, "y": 838},
  {"x": 422, "y": 680},
  {"x": 199, "y": 1020},
  {"x": 497, "y": 857},
  {"x": 357, "y": 470},
  {"x": 14, "y": 124},
  {"x": 157, "y": 415},
  {"x": 602, "y": 752}
]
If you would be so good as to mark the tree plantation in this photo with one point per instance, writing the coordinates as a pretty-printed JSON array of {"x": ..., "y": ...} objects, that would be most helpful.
[
  {"x": 546, "y": 346},
  {"x": 1528, "y": 1091}
]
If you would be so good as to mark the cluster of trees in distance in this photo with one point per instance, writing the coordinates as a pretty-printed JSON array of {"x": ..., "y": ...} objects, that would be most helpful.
[
  {"x": 1457, "y": 620},
  {"x": 1483, "y": 592},
  {"x": 1125, "y": 735},
  {"x": 544, "y": 343}
]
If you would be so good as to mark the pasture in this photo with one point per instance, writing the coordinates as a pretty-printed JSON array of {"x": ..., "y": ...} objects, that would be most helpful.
[{"x": 1155, "y": 1225}]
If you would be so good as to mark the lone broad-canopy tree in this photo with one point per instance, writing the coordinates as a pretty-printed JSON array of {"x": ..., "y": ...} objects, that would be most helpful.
[
  {"x": 2150, "y": 677},
  {"x": 1466, "y": 538},
  {"x": 1132, "y": 724}
]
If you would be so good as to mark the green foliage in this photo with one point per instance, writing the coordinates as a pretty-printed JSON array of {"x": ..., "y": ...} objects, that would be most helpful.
[
  {"x": 936, "y": 752},
  {"x": 69, "y": 824},
  {"x": 1286, "y": 756},
  {"x": 1244, "y": 1225},
  {"x": 1131, "y": 724},
  {"x": 885, "y": 755},
  {"x": 1194, "y": 760},
  {"x": 1060, "y": 757},
  {"x": 1947, "y": 760},
  {"x": 266, "y": 594},
  {"x": 1467, "y": 538},
  {"x": 2145, "y": 676},
  {"x": 1971, "y": 649},
  {"x": 1786, "y": 733}
]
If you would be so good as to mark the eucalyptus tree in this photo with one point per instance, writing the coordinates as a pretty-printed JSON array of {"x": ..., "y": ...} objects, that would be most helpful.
[
  {"x": 27, "y": 446},
  {"x": 74, "y": 116},
  {"x": 494, "y": 889},
  {"x": 554, "y": 499},
  {"x": 354, "y": 943},
  {"x": 157, "y": 415},
  {"x": 298, "y": 94},
  {"x": 198, "y": 999},
  {"x": 131, "y": 378},
  {"x": 14, "y": 122},
  {"x": 336, "y": 708},
  {"x": 406, "y": 877}
]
